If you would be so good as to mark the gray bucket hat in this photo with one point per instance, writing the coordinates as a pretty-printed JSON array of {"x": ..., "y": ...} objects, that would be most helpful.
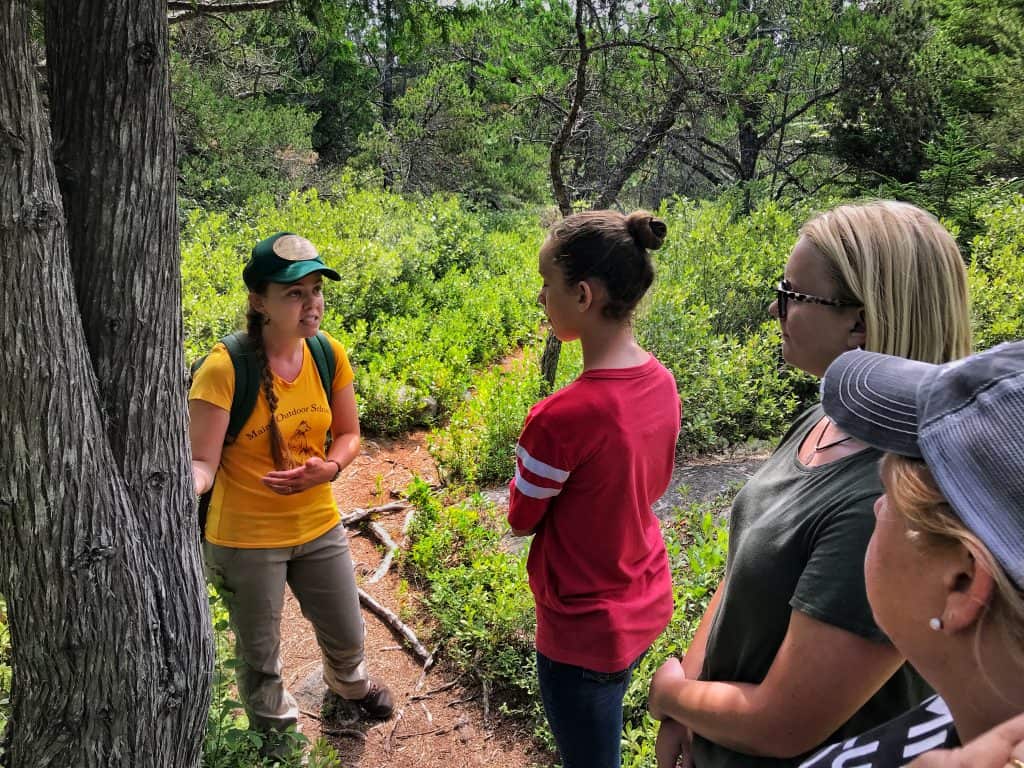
[{"x": 964, "y": 418}]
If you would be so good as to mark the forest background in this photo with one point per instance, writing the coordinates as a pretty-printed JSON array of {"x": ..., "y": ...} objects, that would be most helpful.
[{"x": 422, "y": 146}]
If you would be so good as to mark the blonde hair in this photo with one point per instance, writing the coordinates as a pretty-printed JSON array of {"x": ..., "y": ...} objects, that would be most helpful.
[
  {"x": 913, "y": 493},
  {"x": 905, "y": 269}
]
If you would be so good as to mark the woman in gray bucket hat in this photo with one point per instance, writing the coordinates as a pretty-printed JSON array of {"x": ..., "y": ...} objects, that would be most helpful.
[{"x": 944, "y": 569}]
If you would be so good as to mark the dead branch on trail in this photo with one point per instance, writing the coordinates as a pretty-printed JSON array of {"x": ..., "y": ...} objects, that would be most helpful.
[
  {"x": 389, "y": 742},
  {"x": 397, "y": 625},
  {"x": 407, "y": 523},
  {"x": 358, "y": 515},
  {"x": 426, "y": 666},
  {"x": 382, "y": 536},
  {"x": 439, "y": 689}
]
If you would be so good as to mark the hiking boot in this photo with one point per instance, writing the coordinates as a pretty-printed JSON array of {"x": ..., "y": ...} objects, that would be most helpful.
[{"x": 378, "y": 702}]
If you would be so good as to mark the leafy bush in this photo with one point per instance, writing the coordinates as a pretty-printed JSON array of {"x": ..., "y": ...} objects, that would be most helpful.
[
  {"x": 230, "y": 743},
  {"x": 997, "y": 274},
  {"x": 480, "y": 597},
  {"x": 233, "y": 149},
  {"x": 706, "y": 319},
  {"x": 477, "y": 446},
  {"x": 429, "y": 291},
  {"x": 697, "y": 542},
  {"x": 476, "y": 592}
]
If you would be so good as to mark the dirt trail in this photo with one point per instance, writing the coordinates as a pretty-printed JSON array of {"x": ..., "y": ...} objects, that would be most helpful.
[{"x": 439, "y": 723}]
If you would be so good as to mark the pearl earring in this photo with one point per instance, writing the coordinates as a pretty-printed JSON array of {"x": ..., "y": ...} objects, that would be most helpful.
[{"x": 935, "y": 623}]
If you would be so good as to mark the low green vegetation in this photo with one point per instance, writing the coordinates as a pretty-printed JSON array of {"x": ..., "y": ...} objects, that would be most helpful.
[
  {"x": 997, "y": 274},
  {"x": 230, "y": 743},
  {"x": 430, "y": 292},
  {"x": 706, "y": 318},
  {"x": 475, "y": 586}
]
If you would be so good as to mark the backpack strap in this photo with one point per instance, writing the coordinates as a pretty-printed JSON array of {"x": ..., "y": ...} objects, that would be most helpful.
[
  {"x": 323, "y": 355},
  {"x": 247, "y": 381}
]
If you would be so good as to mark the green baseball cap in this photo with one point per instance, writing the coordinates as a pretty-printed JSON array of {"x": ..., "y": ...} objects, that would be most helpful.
[{"x": 284, "y": 258}]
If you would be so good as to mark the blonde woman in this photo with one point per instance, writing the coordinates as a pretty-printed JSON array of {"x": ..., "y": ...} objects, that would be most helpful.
[
  {"x": 945, "y": 565},
  {"x": 788, "y": 657}
]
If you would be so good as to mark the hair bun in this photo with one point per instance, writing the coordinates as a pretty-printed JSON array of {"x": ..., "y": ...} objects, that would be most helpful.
[{"x": 646, "y": 230}]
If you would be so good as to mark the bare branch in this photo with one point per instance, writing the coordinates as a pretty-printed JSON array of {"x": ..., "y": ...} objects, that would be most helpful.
[
  {"x": 189, "y": 10},
  {"x": 672, "y": 60},
  {"x": 643, "y": 148},
  {"x": 382, "y": 536},
  {"x": 732, "y": 162},
  {"x": 558, "y": 145},
  {"x": 787, "y": 119},
  {"x": 391, "y": 619}
]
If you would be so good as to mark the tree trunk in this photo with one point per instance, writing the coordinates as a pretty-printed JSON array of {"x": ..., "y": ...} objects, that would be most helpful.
[
  {"x": 99, "y": 563},
  {"x": 549, "y": 362}
]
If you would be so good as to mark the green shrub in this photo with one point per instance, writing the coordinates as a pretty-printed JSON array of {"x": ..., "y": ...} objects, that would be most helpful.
[
  {"x": 477, "y": 446},
  {"x": 480, "y": 596},
  {"x": 705, "y": 318},
  {"x": 230, "y": 743},
  {"x": 476, "y": 592},
  {"x": 997, "y": 274},
  {"x": 428, "y": 295},
  {"x": 697, "y": 542},
  {"x": 233, "y": 149}
]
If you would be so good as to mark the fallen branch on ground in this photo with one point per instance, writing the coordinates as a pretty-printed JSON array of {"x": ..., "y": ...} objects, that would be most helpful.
[
  {"x": 390, "y": 741},
  {"x": 426, "y": 666},
  {"x": 391, "y": 619},
  {"x": 439, "y": 689},
  {"x": 358, "y": 515},
  {"x": 382, "y": 536},
  {"x": 407, "y": 523}
]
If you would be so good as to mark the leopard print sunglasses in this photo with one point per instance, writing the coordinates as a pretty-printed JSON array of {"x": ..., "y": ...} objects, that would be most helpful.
[{"x": 784, "y": 294}]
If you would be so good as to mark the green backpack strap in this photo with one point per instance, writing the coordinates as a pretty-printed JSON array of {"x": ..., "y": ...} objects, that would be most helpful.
[
  {"x": 247, "y": 381},
  {"x": 323, "y": 355}
]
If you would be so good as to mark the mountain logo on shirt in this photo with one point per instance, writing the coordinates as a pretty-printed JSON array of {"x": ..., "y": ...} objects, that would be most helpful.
[{"x": 299, "y": 444}]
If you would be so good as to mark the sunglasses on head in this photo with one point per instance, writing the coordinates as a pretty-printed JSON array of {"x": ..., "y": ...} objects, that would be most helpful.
[{"x": 784, "y": 294}]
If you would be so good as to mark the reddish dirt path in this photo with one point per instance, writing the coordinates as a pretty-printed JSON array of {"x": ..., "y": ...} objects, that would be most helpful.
[{"x": 439, "y": 728}]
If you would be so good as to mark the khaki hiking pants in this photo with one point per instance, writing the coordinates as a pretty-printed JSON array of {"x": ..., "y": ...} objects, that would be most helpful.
[{"x": 251, "y": 582}]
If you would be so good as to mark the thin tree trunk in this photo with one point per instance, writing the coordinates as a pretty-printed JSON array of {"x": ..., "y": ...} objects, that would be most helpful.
[
  {"x": 111, "y": 643},
  {"x": 552, "y": 346},
  {"x": 549, "y": 362},
  {"x": 569, "y": 123}
]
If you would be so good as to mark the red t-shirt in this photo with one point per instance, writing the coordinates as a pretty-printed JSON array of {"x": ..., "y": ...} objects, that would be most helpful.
[{"x": 591, "y": 460}]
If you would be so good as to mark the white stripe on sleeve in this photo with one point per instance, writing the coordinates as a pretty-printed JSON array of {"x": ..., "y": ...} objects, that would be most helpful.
[
  {"x": 527, "y": 488},
  {"x": 539, "y": 468}
]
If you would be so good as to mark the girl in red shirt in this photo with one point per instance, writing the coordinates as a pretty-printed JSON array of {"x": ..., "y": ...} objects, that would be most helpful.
[{"x": 591, "y": 460}]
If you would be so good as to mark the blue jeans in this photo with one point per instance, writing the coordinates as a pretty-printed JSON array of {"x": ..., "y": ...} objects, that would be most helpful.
[{"x": 584, "y": 710}]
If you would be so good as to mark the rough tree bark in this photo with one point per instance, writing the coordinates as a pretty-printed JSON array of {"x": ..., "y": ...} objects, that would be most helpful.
[{"x": 99, "y": 559}]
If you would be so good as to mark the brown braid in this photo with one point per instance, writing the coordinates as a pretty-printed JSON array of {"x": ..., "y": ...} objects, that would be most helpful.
[{"x": 278, "y": 447}]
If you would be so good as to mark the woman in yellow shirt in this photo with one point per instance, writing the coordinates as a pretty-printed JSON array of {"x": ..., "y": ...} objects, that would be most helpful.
[{"x": 272, "y": 517}]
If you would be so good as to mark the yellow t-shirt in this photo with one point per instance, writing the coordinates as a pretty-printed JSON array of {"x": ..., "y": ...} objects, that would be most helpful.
[{"x": 243, "y": 512}]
